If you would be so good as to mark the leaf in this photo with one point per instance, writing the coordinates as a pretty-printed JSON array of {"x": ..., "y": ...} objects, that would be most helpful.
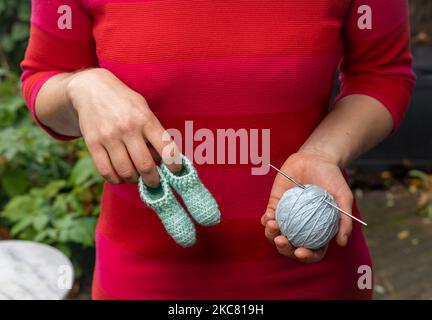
[
  {"x": 83, "y": 231},
  {"x": 84, "y": 171},
  {"x": 21, "y": 225},
  {"x": 10, "y": 106},
  {"x": 422, "y": 176},
  {"x": 48, "y": 236},
  {"x": 63, "y": 236},
  {"x": 7, "y": 43},
  {"x": 24, "y": 11},
  {"x": 64, "y": 248},
  {"x": 40, "y": 222},
  {"x": 14, "y": 181},
  {"x": 402, "y": 235},
  {"x": 60, "y": 204},
  {"x": 64, "y": 223},
  {"x": 28, "y": 234},
  {"x": 18, "y": 208},
  {"x": 20, "y": 31},
  {"x": 54, "y": 187},
  {"x": 41, "y": 236}
]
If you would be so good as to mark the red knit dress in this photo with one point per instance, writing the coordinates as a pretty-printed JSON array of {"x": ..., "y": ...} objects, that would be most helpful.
[{"x": 258, "y": 65}]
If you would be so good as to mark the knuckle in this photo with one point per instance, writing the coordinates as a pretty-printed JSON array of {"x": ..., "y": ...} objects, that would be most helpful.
[
  {"x": 273, "y": 227},
  {"x": 267, "y": 233},
  {"x": 146, "y": 117},
  {"x": 106, "y": 173},
  {"x": 92, "y": 142},
  {"x": 146, "y": 169},
  {"x": 269, "y": 237},
  {"x": 114, "y": 181},
  {"x": 126, "y": 174},
  {"x": 139, "y": 100},
  {"x": 126, "y": 126},
  {"x": 140, "y": 118},
  {"x": 108, "y": 135},
  {"x": 270, "y": 240},
  {"x": 269, "y": 216},
  {"x": 110, "y": 177}
]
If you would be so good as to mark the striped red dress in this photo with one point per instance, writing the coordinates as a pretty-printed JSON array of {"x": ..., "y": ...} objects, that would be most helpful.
[{"x": 260, "y": 66}]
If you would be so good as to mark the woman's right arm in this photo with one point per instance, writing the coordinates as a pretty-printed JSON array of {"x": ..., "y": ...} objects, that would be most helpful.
[
  {"x": 69, "y": 96},
  {"x": 115, "y": 122}
]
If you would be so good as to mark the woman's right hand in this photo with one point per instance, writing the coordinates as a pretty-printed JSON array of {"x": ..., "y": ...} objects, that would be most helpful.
[{"x": 122, "y": 134}]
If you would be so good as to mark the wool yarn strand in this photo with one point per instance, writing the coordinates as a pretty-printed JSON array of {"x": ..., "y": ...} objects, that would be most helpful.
[{"x": 305, "y": 217}]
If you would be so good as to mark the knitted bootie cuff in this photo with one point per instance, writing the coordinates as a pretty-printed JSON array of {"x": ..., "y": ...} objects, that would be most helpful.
[
  {"x": 156, "y": 198},
  {"x": 199, "y": 201},
  {"x": 174, "y": 218}
]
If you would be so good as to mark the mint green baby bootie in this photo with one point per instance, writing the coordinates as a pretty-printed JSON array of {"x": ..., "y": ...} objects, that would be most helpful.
[
  {"x": 198, "y": 200},
  {"x": 174, "y": 218}
]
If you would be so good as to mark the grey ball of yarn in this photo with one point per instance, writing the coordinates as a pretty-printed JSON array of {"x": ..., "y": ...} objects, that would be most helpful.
[{"x": 304, "y": 217}]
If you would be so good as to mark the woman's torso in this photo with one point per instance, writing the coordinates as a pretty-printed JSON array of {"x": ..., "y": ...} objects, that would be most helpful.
[{"x": 253, "y": 78}]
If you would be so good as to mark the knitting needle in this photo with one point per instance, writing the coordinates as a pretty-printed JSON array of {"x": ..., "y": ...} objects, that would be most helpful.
[{"x": 298, "y": 184}]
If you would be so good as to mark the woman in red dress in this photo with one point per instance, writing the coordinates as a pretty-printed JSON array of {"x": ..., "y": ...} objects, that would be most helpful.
[{"x": 118, "y": 73}]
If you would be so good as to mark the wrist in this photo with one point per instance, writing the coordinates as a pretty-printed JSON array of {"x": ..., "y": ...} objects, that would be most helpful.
[
  {"x": 326, "y": 154},
  {"x": 72, "y": 85},
  {"x": 77, "y": 82}
]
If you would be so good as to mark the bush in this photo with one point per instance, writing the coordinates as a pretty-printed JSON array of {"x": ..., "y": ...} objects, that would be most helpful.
[
  {"x": 14, "y": 31},
  {"x": 49, "y": 190}
]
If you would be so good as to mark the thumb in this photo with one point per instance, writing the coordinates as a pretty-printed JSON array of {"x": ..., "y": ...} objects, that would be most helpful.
[
  {"x": 280, "y": 185},
  {"x": 345, "y": 202},
  {"x": 268, "y": 215},
  {"x": 271, "y": 208}
]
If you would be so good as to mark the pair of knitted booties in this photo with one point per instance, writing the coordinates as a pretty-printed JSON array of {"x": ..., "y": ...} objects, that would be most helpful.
[{"x": 198, "y": 200}]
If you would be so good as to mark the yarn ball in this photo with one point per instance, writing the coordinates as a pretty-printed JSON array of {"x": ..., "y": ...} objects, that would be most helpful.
[{"x": 304, "y": 217}]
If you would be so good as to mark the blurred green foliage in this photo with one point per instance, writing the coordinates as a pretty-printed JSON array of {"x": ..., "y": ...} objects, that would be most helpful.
[
  {"x": 14, "y": 31},
  {"x": 49, "y": 190},
  {"x": 422, "y": 182}
]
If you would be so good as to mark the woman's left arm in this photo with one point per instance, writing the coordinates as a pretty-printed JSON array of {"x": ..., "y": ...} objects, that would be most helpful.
[
  {"x": 376, "y": 85},
  {"x": 357, "y": 124}
]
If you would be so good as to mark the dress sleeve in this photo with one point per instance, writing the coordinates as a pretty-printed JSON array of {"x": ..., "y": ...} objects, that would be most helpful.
[
  {"x": 60, "y": 41},
  {"x": 377, "y": 59}
]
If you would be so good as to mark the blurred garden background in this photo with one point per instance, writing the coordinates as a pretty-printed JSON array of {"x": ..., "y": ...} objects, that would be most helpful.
[{"x": 50, "y": 191}]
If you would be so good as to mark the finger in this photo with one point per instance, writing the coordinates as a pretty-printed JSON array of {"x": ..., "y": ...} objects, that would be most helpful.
[
  {"x": 269, "y": 215},
  {"x": 121, "y": 161},
  {"x": 103, "y": 163},
  {"x": 156, "y": 157},
  {"x": 345, "y": 229},
  {"x": 345, "y": 202},
  {"x": 310, "y": 256},
  {"x": 142, "y": 160},
  {"x": 165, "y": 146},
  {"x": 271, "y": 230},
  {"x": 280, "y": 185},
  {"x": 284, "y": 247}
]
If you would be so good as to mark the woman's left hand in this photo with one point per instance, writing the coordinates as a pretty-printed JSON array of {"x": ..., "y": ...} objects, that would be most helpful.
[{"x": 309, "y": 167}]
